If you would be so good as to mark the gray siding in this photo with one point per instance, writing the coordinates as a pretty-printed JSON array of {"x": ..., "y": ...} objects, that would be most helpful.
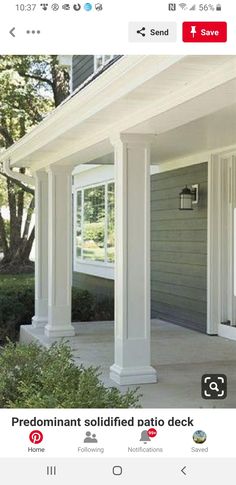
[
  {"x": 179, "y": 249},
  {"x": 82, "y": 68},
  {"x": 100, "y": 287}
]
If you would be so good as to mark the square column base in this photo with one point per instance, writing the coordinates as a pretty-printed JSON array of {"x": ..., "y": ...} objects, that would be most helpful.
[
  {"x": 133, "y": 375},
  {"x": 39, "y": 322},
  {"x": 61, "y": 331}
]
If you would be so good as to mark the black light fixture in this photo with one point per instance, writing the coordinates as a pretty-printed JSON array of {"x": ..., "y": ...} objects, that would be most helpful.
[{"x": 188, "y": 197}]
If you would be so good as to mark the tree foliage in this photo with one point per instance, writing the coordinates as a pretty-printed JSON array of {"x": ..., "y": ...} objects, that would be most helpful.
[{"x": 30, "y": 87}]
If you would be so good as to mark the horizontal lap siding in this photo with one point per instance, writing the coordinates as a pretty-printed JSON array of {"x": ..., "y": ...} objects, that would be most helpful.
[
  {"x": 179, "y": 249},
  {"x": 101, "y": 288},
  {"x": 82, "y": 68}
]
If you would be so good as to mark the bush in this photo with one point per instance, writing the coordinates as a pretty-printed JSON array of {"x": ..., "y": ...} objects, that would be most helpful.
[
  {"x": 17, "y": 306},
  {"x": 34, "y": 377},
  {"x": 83, "y": 305},
  {"x": 95, "y": 231},
  {"x": 104, "y": 309}
]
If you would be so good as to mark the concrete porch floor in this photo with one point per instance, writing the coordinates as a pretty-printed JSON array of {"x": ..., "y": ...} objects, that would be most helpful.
[{"x": 180, "y": 356}]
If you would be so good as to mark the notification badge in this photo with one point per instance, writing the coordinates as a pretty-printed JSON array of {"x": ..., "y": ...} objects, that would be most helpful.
[
  {"x": 204, "y": 32},
  {"x": 36, "y": 437},
  {"x": 152, "y": 432}
]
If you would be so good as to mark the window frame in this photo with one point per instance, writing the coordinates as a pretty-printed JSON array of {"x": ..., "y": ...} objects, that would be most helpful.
[
  {"x": 104, "y": 269},
  {"x": 104, "y": 61}
]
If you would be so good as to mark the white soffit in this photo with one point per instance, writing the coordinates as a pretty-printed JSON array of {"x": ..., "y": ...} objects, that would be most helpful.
[{"x": 150, "y": 94}]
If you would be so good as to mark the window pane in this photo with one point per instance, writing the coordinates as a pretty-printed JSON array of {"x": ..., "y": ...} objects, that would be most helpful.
[
  {"x": 111, "y": 223},
  {"x": 98, "y": 62},
  {"x": 94, "y": 224},
  {"x": 107, "y": 58},
  {"x": 79, "y": 225}
]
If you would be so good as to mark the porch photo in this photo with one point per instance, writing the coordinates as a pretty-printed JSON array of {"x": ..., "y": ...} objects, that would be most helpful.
[{"x": 133, "y": 178}]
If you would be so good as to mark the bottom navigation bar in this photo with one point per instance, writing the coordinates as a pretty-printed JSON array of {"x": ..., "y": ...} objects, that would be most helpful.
[{"x": 127, "y": 471}]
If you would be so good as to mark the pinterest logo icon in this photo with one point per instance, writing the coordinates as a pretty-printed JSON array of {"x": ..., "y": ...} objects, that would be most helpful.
[{"x": 36, "y": 437}]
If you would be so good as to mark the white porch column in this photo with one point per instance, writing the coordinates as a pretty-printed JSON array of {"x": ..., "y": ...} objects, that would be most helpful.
[
  {"x": 41, "y": 249},
  {"x": 132, "y": 269},
  {"x": 59, "y": 251}
]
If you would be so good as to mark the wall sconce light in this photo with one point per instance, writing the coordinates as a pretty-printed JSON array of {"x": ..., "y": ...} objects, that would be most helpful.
[{"x": 188, "y": 197}]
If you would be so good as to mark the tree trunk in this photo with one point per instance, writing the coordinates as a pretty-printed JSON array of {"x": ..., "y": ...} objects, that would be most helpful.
[
  {"x": 3, "y": 235},
  {"x": 16, "y": 251},
  {"x": 60, "y": 82},
  {"x": 17, "y": 259}
]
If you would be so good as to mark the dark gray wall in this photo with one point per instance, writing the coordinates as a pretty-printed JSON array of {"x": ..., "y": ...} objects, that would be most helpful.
[
  {"x": 100, "y": 287},
  {"x": 82, "y": 68},
  {"x": 179, "y": 249}
]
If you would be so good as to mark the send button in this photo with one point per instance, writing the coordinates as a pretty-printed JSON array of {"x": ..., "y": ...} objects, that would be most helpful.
[{"x": 152, "y": 32}]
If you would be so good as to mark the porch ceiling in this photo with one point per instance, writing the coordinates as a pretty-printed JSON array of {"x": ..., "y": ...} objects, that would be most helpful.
[
  {"x": 205, "y": 134},
  {"x": 162, "y": 95}
]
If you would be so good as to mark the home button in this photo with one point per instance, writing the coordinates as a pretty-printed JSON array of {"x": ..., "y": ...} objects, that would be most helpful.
[{"x": 117, "y": 470}]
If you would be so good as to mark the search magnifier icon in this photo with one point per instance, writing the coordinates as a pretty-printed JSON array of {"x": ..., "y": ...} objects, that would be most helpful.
[{"x": 213, "y": 387}]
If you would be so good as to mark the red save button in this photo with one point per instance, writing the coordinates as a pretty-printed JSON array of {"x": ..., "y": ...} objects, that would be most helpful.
[{"x": 204, "y": 32}]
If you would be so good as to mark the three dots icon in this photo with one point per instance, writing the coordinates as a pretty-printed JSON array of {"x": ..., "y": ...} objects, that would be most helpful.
[{"x": 33, "y": 32}]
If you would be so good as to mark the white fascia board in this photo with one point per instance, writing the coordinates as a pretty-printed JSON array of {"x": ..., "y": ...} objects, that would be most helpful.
[
  {"x": 97, "y": 175},
  {"x": 182, "y": 162},
  {"x": 207, "y": 84},
  {"x": 122, "y": 77},
  {"x": 176, "y": 110},
  {"x": 83, "y": 168}
]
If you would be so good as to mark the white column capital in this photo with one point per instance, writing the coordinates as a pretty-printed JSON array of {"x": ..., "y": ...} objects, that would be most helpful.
[
  {"x": 39, "y": 173},
  {"x": 132, "y": 139}
]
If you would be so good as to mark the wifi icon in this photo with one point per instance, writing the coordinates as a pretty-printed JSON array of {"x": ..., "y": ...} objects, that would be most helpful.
[{"x": 184, "y": 6}]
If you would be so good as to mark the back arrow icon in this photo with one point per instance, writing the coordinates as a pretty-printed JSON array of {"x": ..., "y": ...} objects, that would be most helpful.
[
  {"x": 183, "y": 470},
  {"x": 12, "y": 31}
]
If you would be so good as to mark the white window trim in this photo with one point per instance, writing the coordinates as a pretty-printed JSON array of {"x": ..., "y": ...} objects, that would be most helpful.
[
  {"x": 102, "y": 269},
  {"x": 104, "y": 62},
  {"x": 95, "y": 268}
]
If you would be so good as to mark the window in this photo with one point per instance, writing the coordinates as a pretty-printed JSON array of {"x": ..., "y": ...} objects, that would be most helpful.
[
  {"x": 95, "y": 223},
  {"x": 100, "y": 61}
]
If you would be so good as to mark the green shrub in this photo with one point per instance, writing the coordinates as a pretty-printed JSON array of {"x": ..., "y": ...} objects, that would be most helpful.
[
  {"x": 34, "y": 377},
  {"x": 17, "y": 306},
  {"x": 83, "y": 305},
  {"x": 95, "y": 231},
  {"x": 104, "y": 309}
]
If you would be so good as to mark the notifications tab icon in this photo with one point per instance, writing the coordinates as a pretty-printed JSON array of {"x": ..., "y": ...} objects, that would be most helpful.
[{"x": 204, "y": 31}]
